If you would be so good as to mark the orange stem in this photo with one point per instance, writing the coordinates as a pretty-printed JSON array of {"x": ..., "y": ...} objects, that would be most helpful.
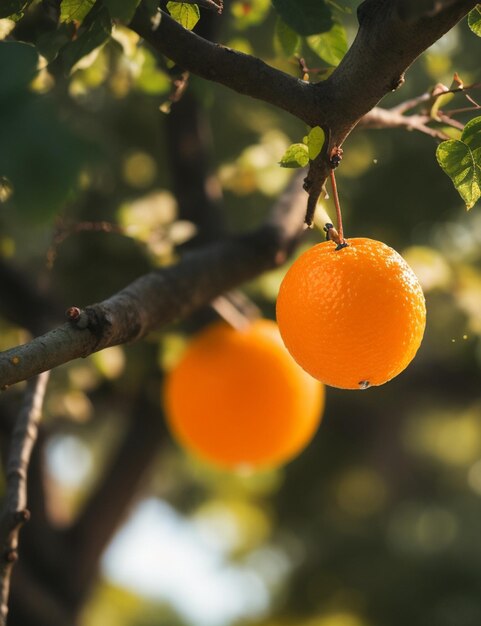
[{"x": 340, "y": 229}]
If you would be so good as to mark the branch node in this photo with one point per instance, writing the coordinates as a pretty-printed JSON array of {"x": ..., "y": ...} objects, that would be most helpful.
[
  {"x": 10, "y": 556},
  {"x": 72, "y": 313},
  {"x": 397, "y": 82},
  {"x": 335, "y": 157},
  {"x": 82, "y": 318},
  {"x": 22, "y": 516}
]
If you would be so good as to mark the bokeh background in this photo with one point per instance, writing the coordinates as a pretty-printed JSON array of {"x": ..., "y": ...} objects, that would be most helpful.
[{"x": 377, "y": 522}]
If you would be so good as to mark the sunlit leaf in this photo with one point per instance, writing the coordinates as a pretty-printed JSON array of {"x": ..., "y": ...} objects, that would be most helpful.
[
  {"x": 306, "y": 17},
  {"x": 461, "y": 160},
  {"x": 474, "y": 20},
  {"x": 472, "y": 136},
  {"x": 296, "y": 155},
  {"x": 287, "y": 39},
  {"x": 330, "y": 46},
  {"x": 315, "y": 141},
  {"x": 75, "y": 10},
  {"x": 456, "y": 160},
  {"x": 186, "y": 14}
]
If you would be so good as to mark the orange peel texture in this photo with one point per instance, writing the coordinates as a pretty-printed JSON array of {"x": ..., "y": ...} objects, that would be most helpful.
[{"x": 353, "y": 317}]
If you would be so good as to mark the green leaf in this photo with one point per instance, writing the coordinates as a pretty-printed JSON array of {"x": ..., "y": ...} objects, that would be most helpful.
[
  {"x": 95, "y": 33},
  {"x": 286, "y": 39},
  {"x": 474, "y": 20},
  {"x": 186, "y": 14},
  {"x": 306, "y": 17},
  {"x": 39, "y": 155},
  {"x": 315, "y": 141},
  {"x": 331, "y": 46},
  {"x": 461, "y": 160},
  {"x": 13, "y": 8},
  {"x": 75, "y": 10},
  {"x": 18, "y": 66},
  {"x": 296, "y": 155},
  {"x": 122, "y": 10},
  {"x": 472, "y": 137}
]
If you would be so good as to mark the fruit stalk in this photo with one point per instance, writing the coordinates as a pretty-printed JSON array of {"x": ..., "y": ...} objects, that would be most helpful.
[{"x": 340, "y": 229}]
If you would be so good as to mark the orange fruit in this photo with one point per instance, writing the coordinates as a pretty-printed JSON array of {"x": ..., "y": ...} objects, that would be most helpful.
[
  {"x": 237, "y": 397},
  {"x": 352, "y": 317}
]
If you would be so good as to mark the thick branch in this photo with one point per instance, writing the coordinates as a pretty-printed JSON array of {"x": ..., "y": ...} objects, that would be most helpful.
[
  {"x": 241, "y": 72},
  {"x": 389, "y": 39},
  {"x": 163, "y": 296},
  {"x": 15, "y": 511},
  {"x": 384, "y": 48}
]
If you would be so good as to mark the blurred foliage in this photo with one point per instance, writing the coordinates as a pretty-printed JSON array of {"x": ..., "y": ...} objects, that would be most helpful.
[{"x": 377, "y": 523}]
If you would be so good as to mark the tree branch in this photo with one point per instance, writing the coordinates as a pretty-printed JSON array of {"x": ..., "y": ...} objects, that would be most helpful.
[
  {"x": 164, "y": 295},
  {"x": 15, "y": 511},
  {"x": 241, "y": 72},
  {"x": 409, "y": 10},
  {"x": 384, "y": 48},
  {"x": 392, "y": 118}
]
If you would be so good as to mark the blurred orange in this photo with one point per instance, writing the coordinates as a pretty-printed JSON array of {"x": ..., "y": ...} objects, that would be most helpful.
[{"x": 237, "y": 398}]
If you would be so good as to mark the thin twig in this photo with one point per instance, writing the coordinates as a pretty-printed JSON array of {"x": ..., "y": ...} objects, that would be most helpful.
[
  {"x": 213, "y": 5},
  {"x": 457, "y": 90},
  {"x": 390, "y": 118},
  {"x": 15, "y": 512},
  {"x": 451, "y": 112},
  {"x": 64, "y": 232},
  {"x": 239, "y": 312},
  {"x": 412, "y": 103},
  {"x": 449, "y": 121}
]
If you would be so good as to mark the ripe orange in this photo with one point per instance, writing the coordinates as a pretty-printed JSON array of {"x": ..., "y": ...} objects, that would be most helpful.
[
  {"x": 352, "y": 317},
  {"x": 238, "y": 398}
]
